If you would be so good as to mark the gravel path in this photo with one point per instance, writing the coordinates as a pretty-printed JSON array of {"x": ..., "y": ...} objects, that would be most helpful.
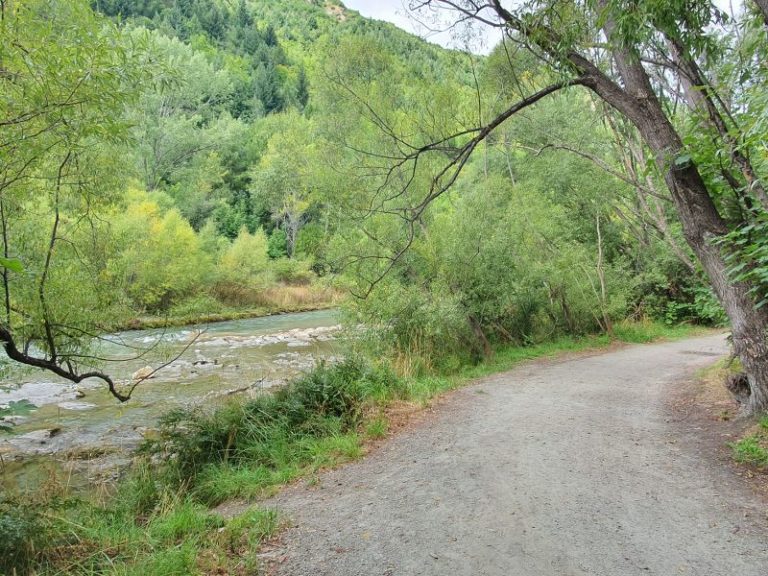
[{"x": 558, "y": 468}]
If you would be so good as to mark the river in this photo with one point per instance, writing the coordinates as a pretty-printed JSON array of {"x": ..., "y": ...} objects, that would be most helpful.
[{"x": 85, "y": 426}]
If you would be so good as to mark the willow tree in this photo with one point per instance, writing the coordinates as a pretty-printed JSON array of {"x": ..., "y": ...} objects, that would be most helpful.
[
  {"x": 65, "y": 78},
  {"x": 646, "y": 61}
]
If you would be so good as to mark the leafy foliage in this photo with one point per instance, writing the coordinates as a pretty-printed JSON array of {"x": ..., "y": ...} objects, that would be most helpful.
[
  {"x": 747, "y": 249},
  {"x": 14, "y": 408},
  {"x": 329, "y": 400}
]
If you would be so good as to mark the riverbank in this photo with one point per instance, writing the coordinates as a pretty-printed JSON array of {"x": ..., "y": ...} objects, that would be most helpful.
[
  {"x": 172, "y": 511},
  {"x": 276, "y": 301},
  {"x": 156, "y": 322}
]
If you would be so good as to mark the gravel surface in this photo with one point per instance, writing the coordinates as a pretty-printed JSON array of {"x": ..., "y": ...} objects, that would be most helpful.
[{"x": 557, "y": 468}]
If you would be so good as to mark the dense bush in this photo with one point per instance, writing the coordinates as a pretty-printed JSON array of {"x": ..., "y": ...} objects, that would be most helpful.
[
  {"x": 499, "y": 264},
  {"x": 20, "y": 530},
  {"x": 31, "y": 531},
  {"x": 271, "y": 428}
]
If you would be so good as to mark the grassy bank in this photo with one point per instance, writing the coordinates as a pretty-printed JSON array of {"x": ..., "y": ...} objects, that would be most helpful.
[
  {"x": 163, "y": 519},
  {"x": 721, "y": 410},
  {"x": 273, "y": 301},
  {"x": 153, "y": 322},
  {"x": 751, "y": 448}
]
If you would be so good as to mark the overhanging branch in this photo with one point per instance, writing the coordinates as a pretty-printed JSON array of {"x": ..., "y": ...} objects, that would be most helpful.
[
  {"x": 64, "y": 368},
  {"x": 448, "y": 175}
]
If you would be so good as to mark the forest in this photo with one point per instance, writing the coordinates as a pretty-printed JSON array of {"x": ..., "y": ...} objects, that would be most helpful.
[{"x": 177, "y": 161}]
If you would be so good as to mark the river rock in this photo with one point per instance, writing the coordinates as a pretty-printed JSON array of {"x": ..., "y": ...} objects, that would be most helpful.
[
  {"x": 145, "y": 373},
  {"x": 40, "y": 436},
  {"x": 76, "y": 405},
  {"x": 13, "y": 419}
]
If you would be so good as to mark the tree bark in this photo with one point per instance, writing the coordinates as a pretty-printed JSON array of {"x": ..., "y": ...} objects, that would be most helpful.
[
  {"x": 702, "y": 223},
  {"x": 607, "y": 324}
]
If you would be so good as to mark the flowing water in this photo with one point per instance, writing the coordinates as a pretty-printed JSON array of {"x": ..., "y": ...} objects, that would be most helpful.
[{"x": 57, "y": 420}]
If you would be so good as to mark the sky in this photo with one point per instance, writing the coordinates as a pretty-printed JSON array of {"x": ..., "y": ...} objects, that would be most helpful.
[{"x": 396, "y": 11}]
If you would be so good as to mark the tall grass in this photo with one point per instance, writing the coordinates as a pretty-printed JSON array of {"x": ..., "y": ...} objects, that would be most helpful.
[
  {"x": 284, "y": 297},
  {"x": 147, "y": 530},
  {"x": 270, "y": 438}
]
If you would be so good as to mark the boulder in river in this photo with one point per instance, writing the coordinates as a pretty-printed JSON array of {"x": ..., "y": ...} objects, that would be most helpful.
[
  {"x": 77, "y": 406},
  {"x": 143, "y": 373},
  {"x": 40, "y": 436}
]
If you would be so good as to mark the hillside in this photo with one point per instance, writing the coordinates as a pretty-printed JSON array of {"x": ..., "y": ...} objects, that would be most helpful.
[{"x": 203, "y": 164}]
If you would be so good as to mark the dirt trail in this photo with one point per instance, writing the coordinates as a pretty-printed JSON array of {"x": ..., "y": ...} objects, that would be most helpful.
[{"x": 562, "y": 468}]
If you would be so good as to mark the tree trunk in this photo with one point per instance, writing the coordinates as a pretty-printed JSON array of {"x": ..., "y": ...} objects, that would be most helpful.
[
  {"x": 702, "y": 223},
  {"x": 607, "y": 324},
  {"x": 477, "y": 329},
  {"x": 749, "y": 325}
]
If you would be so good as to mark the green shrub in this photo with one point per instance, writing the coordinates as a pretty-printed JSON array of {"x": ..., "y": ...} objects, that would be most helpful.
[
  {"x": 163, "y": 261},
  {"x": 750, "y": 450},
  {"x": 274, "y": 431},
  {"x": 197, "y": 305},
  {"x": 697, "y": 304},
  {"x": 292, "y": 271},
  {"x": 19, "y": 534},
  {"x": 30, "y": 531},
  {"x": 419, "y": 331},
  {"x": 246, "y": 260},
  {"x": 277, "y": 246}
]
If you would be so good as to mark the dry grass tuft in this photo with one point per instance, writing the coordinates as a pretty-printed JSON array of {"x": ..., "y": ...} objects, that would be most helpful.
[{"x": 288, "y": 297}]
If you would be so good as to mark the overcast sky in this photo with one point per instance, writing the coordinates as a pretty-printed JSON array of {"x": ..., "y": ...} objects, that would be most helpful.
[{"x": 395, "y": 11}]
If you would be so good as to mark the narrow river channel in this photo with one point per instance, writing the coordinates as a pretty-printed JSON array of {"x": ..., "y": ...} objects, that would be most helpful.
[{"x": 83, "y": 425}]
